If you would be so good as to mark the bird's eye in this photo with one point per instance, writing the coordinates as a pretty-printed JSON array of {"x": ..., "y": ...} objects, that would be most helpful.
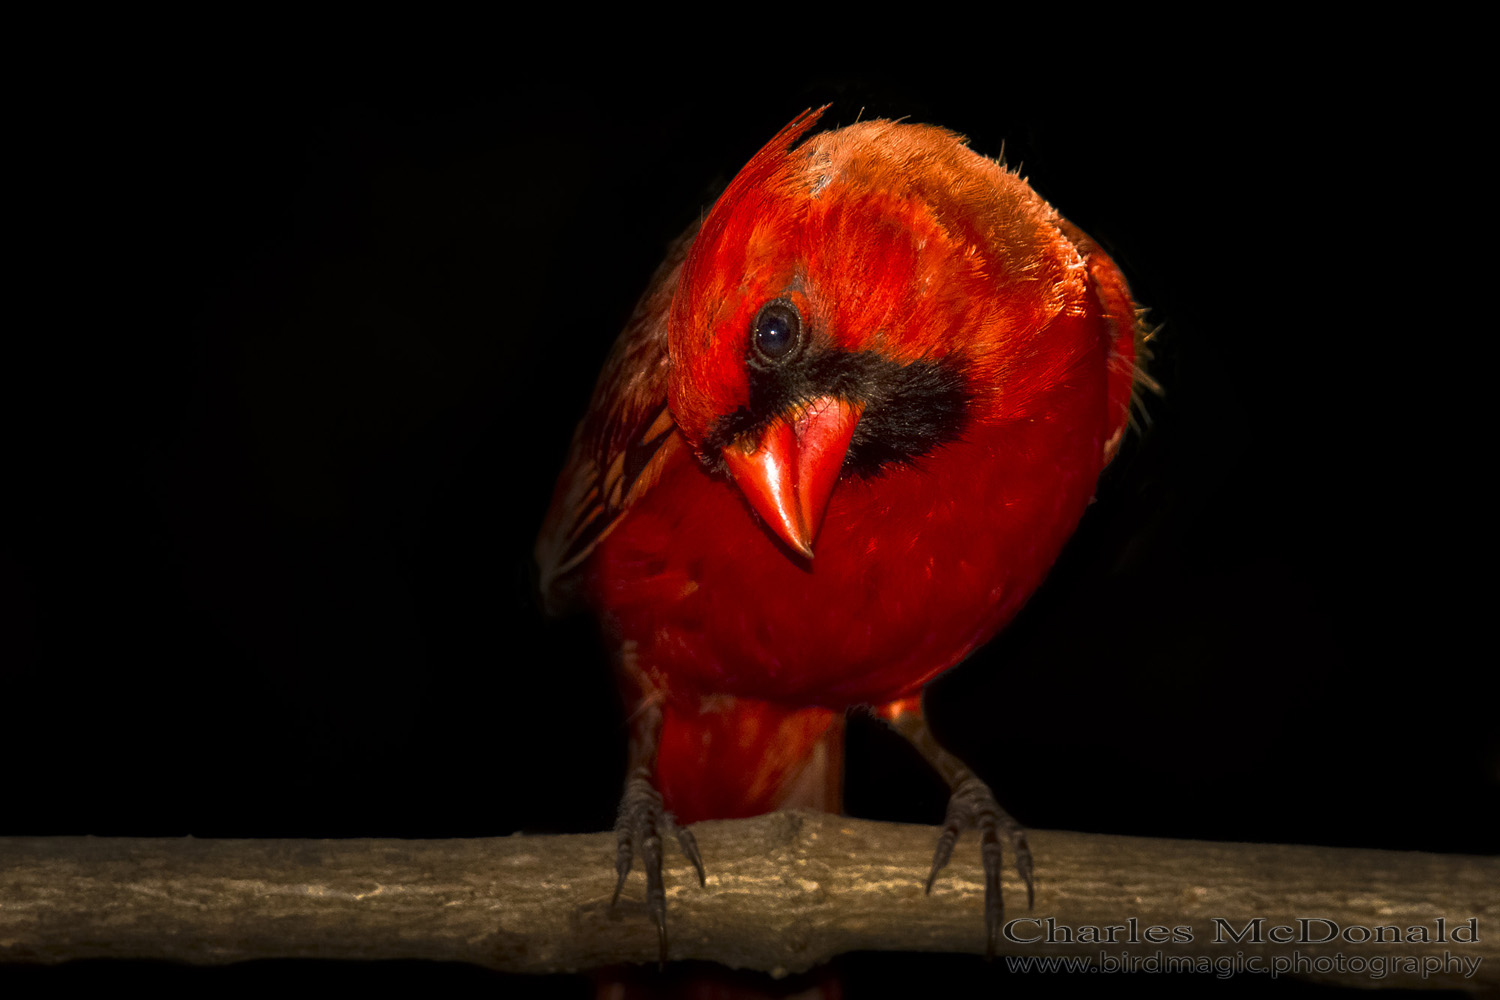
[{"x": 776, "y": 330}]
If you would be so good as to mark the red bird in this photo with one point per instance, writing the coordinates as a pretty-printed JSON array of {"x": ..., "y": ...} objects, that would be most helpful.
[{"x": 843, "y": 437}]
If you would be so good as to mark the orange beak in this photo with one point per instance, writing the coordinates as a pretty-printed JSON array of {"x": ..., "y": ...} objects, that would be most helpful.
[{"x": 791, "y": 472}]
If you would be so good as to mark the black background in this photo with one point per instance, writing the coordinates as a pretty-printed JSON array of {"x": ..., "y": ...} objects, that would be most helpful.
[{"x": 312, "y": 350}]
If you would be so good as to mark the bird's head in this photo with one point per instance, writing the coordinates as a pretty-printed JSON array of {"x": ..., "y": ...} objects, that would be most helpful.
[{"x": 851, "y": 305}]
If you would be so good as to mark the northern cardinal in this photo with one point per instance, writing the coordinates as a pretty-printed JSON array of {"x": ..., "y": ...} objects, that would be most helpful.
[{"x": 843, "y": 437}]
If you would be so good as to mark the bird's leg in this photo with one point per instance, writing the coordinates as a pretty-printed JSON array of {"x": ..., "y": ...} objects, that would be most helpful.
[
  {"x": 642, "y": 820},
  {"x": 971, "y": 804}
]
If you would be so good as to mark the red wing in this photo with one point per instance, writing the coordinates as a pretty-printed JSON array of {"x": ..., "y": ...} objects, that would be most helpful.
[
  {"x": 1128, "y": 334},
  {"x": 624, "y": 440}
]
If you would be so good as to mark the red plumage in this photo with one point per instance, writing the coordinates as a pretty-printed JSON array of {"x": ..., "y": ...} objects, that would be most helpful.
[{"x": 960, "y": 371}]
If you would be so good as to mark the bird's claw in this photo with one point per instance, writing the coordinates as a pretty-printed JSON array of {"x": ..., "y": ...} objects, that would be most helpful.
[
  {"x": 638, "y": 830},
  {"x": 973, "y": 805}
]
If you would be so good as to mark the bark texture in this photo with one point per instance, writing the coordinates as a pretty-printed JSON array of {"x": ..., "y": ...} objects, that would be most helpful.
[{"x": 785, "y": 892}]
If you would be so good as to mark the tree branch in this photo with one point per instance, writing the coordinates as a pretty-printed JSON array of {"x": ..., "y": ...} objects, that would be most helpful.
[{"x": 785, "y": 892}]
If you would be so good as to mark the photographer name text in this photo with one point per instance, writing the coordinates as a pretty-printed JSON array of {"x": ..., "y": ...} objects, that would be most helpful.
[{"x": 1255, "y": 930}]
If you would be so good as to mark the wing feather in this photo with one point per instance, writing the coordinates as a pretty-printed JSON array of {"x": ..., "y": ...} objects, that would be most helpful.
[{"x": 624, "y": 441}]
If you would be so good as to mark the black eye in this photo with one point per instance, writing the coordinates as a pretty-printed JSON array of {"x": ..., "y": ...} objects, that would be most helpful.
[{"x": 776, "y": 330}]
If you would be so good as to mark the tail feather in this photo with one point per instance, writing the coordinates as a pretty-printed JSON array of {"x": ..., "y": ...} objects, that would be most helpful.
[{"x": 738, "y": 757}]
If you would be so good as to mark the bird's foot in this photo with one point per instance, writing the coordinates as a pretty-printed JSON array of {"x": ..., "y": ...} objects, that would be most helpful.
[
  {"x": 972, "y": 806},
  {"x": 638, "y": 830}
]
